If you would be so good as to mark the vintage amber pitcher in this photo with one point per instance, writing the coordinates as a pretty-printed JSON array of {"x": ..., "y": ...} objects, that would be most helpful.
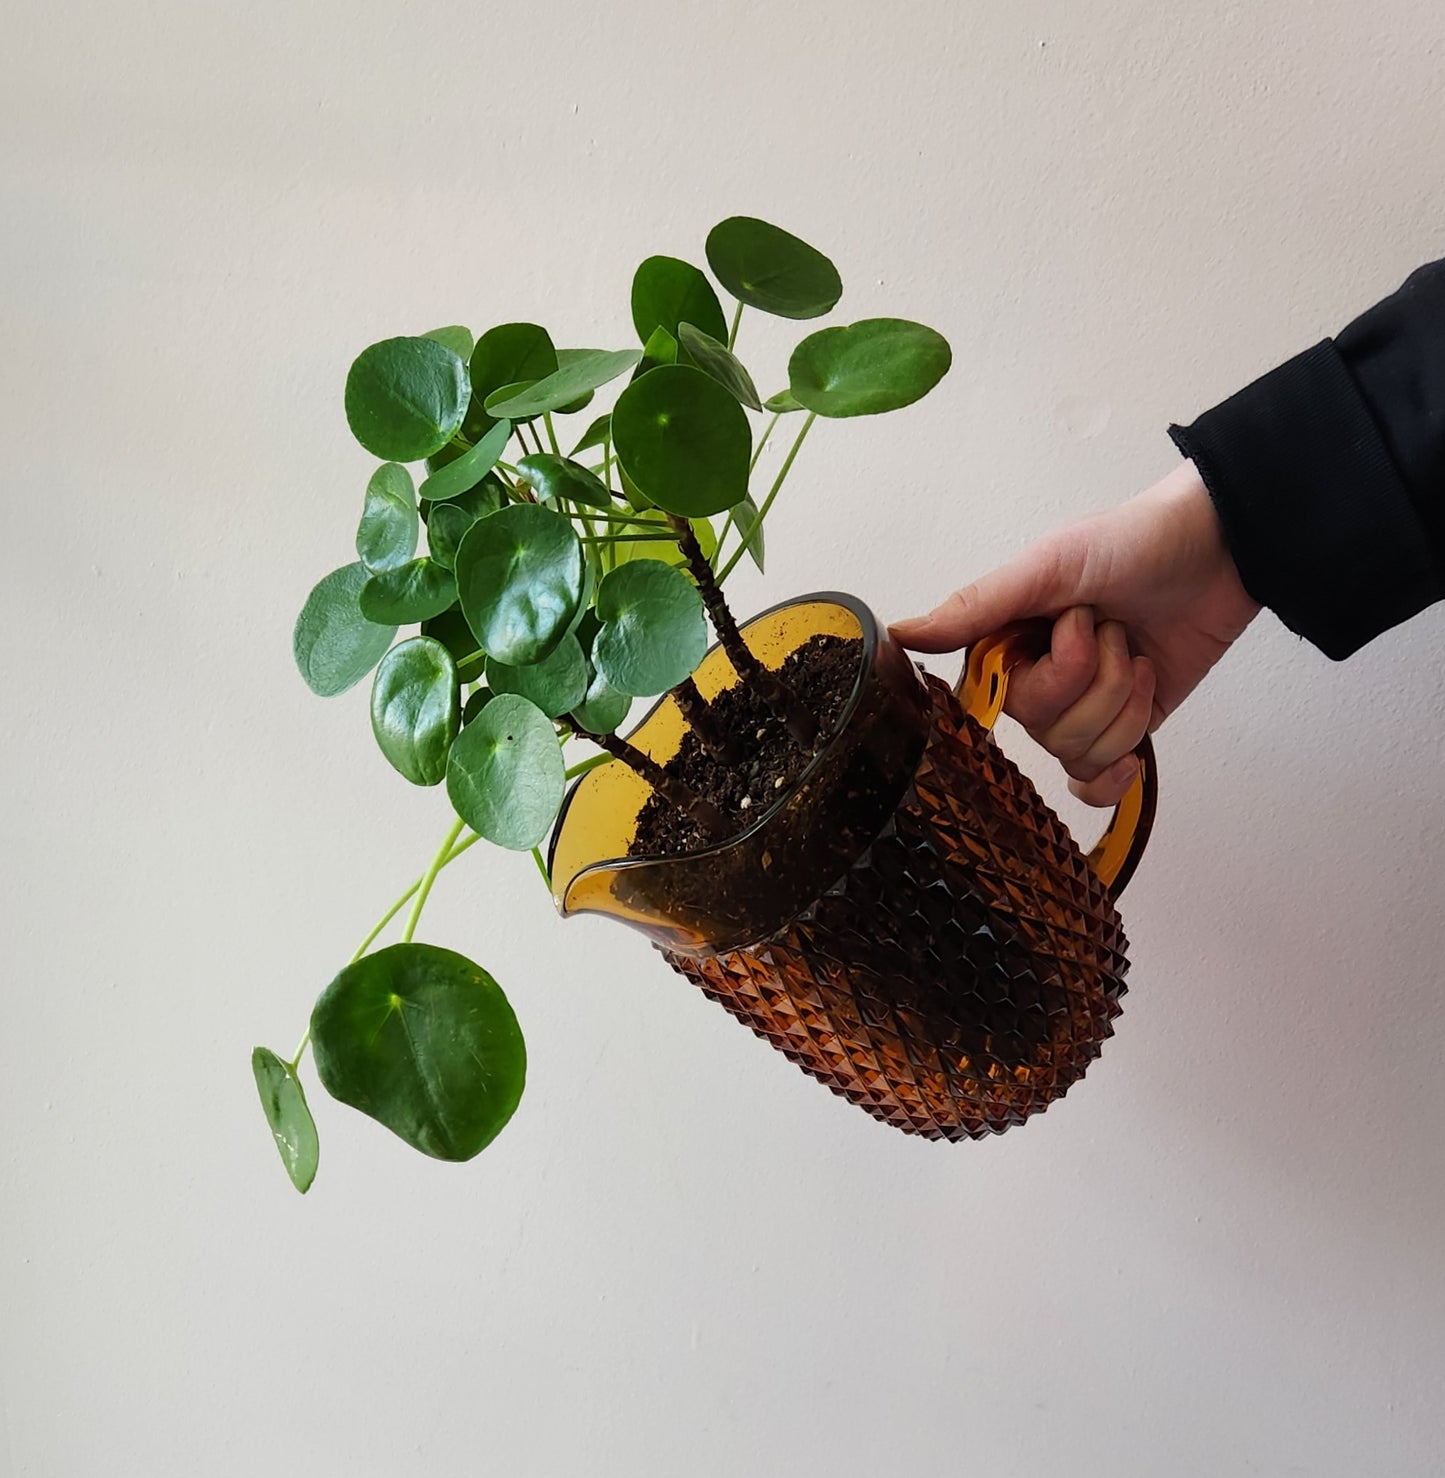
[{"x": 909, "y": 922}]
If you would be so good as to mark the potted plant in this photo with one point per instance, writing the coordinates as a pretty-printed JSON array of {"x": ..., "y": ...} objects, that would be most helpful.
[{"x": 824, "y": 840}]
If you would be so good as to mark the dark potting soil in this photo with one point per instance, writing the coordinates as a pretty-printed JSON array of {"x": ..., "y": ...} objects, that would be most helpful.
[{"x": 763, "y": 758}]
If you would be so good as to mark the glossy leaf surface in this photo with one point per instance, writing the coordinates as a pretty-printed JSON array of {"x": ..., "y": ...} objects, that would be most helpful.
[
  {"x": 683, "y": 441},
  {"x": 425, "y": 1042},
  {"x": 505, "y": 773},
  {"x": 454, "y": 337},
  {"x": 452, "y": 631},
  {"x": 769, "y": 268},
  {"x": 446, "y": 526},
  {"x": 405, "y": 398},
  {"x": 604, "y": 708},
  {"x": 653, "y": 630},
  {"x": 590, "y": 370},
  {"x": 335, "y": 646},
  {"x": 520, "y": 578},
  {"x": 416, "y": 591},
  {"x": 877, "y": 365},
  {"x": 465, "y": 472},
  {"x": 666, "y": 292},
  {"x": 284, "y": 1101},
  {"x": 559, "y": 477},
  {"x": 556, "y": 684},
  {"x": 387, "y": 534},
  {"x": 716, "y": 359},
  {"x": 414, "y": 709}
]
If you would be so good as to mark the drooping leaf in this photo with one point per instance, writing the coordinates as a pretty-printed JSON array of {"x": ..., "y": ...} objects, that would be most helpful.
[
  {"x": 334, "y": 644},
  {"x": 769, "y": 268},
  {"x": 505, "y": 355},
  {"x": 559, "y": 477},
  {"x": 292, "y": 1127},
  {"x": 566, "y": 357},
  {"x": 665, "y": 291},
  {"x": 405, "y": 398},
  {"x": 604, "y": 709},
  {"x": 386, "y": 536},
  {"x": 745, "y": 515},
  {"x": 556, "y": 684},
  {"x": 414, "y": 709},
  {"x": 683, "y": 441},
  {"x": 877, "y": 365},
  {"x": 590, "y": 370},
  {"x": 465, "y": 472},
  {"x": 653, "y": 630},
  {"x": 505, "y": 773},
  {"x": 520, "y": 578},
  {"x": 417, "y": 591},
  {"x": 716, "y": 359},
  {"x": 425, "y": 1042},
  {"x": 596, "y": 435},
  {"x": 454, "y": 337},
  {"x": 664, "y": 547},
  {"x": 782, "y": 403},
  {"x": 452, "y": 631}
]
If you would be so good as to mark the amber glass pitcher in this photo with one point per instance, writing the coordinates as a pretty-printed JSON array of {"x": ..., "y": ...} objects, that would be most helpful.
[{"x": 909, "y": 922}]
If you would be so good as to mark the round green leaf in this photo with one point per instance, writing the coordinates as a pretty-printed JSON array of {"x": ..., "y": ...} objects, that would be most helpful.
[
  {"x": 683, "y": 441},
  {"x": 717, "y": 360},
  {"x": 660, "y": 348},
  {"x": 599, "y": 433},
  {"x": 423, "y": 1041},
  {"x": 405, "y": 398},
  {"x": 452, "y": 631},
  {"x": 665, "y": 291},
  {"x": 556, "y": 684},
  {"x": 505, "y": 774},
  {"x": 653, "y": 631},
  {"x": 386, "y": 535},
  {"x": 463, "y": 473},
  {"x": 334, "y": 644},
  {"x": 877, "y": 365},
  {"x": 559, "y": 477},
  {"x": 454, "y": 337},
  {"x": 445, "y": 529},
  {"x": 769, "y": 268},
  {"x": 588, "y": 370},
  {"x": 414, "y": 709},
  {"x": 604, "y": 709},
  {"x": 505, "y": 355},
  {"x": 519, "y": 577},
  {"x": 292, "y": 1127},
  {"x": 416, "y": 591}
]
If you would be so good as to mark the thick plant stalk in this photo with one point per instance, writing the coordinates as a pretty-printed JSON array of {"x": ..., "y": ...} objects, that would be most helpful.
[
  {"x": 709, "y": 819},
  {"x": 801, "y": 723},
  {"x": 698, "y": 713}
]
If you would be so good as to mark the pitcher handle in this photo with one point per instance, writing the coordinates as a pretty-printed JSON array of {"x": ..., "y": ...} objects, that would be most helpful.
[{"x": 981, "y": 688}]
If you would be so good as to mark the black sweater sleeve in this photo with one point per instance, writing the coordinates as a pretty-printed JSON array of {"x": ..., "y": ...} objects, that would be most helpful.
[{"x": 1329, "y": 473}]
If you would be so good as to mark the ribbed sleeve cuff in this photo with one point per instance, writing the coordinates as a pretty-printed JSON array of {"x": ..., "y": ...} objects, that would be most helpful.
[{"x": 1316, "y": 515}]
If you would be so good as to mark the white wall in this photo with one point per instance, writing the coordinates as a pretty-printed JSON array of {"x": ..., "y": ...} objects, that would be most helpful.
[{"x": 1222, "y": 1255}]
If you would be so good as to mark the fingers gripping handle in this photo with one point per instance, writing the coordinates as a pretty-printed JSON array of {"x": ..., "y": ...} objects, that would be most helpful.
[{"x": 982, "y": 688}]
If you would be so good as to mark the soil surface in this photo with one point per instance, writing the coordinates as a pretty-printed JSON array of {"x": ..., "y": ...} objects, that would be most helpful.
[{"x": 763, "y": 758}]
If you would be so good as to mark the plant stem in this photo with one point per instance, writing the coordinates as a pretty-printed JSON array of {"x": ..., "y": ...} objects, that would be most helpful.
[
  {"x": 385, "y": 919},
  {"x": 594, "y": 763},
  {"x": 429, "y": 877},
  {"x": 698, "y": 713},
  {"x": 709, "y": 819},
  {"x": 800, "y": 721},
  {"x": 733, "y": 331},
  {"x": 542, "y": 867},
  {"x": 551, "y": 433},
  {"x": 763, "y": 439},
  {"x": 783, "y": 471}
]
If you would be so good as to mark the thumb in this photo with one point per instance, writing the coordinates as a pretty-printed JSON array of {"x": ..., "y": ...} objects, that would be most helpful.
[{"x": 1028, "y": 585}]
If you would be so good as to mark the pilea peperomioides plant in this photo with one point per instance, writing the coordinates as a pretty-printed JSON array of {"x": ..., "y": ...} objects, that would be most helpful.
[{"x": 555, "y": 588}]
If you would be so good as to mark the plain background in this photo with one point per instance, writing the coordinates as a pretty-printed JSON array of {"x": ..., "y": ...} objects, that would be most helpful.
[{"x": 1221, "y": 1255}]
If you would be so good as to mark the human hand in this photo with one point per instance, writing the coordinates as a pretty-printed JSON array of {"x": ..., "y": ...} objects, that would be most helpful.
[{"x": 1146, "y": 599}]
